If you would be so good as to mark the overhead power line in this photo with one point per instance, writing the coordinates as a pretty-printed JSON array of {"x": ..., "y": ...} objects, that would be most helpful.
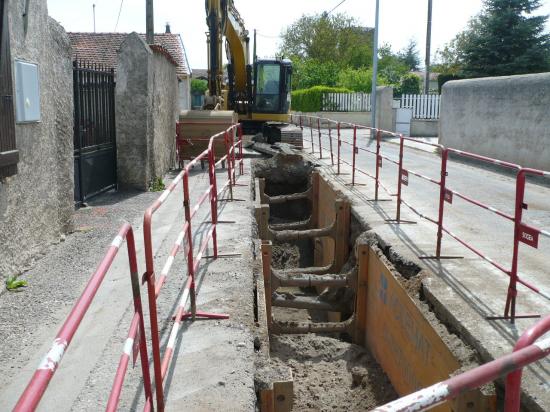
[
  {"x": 338, "y": 5},
  {"x": 268, "y": 36},
  {"x": 118, "y": 18}
]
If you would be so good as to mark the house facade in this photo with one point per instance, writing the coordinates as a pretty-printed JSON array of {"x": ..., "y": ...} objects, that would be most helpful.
[
  {"x": 102, "y": 48},
  {"x": 36, "y": 133}
]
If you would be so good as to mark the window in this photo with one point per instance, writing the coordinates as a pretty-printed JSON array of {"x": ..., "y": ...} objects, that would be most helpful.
[
  {"x": 268, "y": 88},
  {"x": 9, "y": 156}
]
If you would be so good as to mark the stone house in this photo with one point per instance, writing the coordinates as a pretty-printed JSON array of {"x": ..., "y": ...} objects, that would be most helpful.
[
  {"x": 36, "y": 133},
  {"x": 102, "y": 48}
]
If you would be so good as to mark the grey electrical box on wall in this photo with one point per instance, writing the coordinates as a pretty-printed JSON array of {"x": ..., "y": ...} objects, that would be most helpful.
[{"x": 27, "y": 92}]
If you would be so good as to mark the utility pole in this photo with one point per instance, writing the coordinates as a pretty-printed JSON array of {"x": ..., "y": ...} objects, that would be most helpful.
[
  {"x": 149, "y": 22},
  {"x": 94, "y": 16},
  {"x": 428, "y": 46},
  {"x": 254, "y": 56},
  {"x": 374, "y": 66}
]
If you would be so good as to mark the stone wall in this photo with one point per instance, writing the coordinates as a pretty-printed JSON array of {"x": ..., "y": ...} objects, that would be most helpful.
[
  {"x": 146, "y": 111},
  {"x": 424, "y": 127},
  {"x": 501, "y": 117},
  {"x": 36, "y": 204}
]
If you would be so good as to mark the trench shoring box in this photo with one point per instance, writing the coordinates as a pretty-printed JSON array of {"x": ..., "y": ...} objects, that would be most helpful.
[{"x": 402, "y": 340}]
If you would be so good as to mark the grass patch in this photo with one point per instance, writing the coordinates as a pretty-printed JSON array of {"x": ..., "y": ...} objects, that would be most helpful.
[
  {"x": 157, "y": 185},
  {"x": 12, "y": 283}
]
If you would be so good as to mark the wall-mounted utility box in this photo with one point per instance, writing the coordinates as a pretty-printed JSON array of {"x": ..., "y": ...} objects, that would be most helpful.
[{"x": 27, "y": 92}]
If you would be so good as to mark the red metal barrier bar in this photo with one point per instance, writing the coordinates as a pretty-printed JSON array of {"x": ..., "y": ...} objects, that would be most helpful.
[
  {"x": 519, "y": 236},
  {"x": 320, "y": 144},
  {"x": 35, "y": 389},
  {"x": 149, "y": 276},
  {"x": 228, "y": 146},
  {"x": 512, "y": 392},
  {"x": 241, "y": 153},
  {"x": 442, "y": 194},
  {"x": 339, "y": 148},
  {"x": 423, "y": 216},
  {"x": 484, "y": 159},
  {"x": 175, "y": 328},
  {"x": 378, "y": 165},
  {"x": 482, "y": 205},
  {"x": 399, "y": 180},
  {"x": 354, "y": 152},
  {"x": 421, "y": 176},
  {"x": 440, "y": 392},
  {"x": 311, "y": 132},
  {"x": 170, "y": 261},
  {"x": 154, "y": 289},
  {"x": 330, "y": 142}
]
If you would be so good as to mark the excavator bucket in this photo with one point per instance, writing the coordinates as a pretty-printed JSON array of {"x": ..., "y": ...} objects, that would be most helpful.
[{"x": 195, "y": 128}]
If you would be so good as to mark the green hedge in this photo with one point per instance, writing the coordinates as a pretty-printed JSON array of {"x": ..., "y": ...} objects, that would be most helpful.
[{"x": 309, "y": 100}]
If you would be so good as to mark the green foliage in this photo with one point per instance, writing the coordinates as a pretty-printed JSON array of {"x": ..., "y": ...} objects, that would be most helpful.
[
  {"x": 358, "y": 80},
  {"x": 409, "y": 56},
  {"x": 198, "y": 86},
  {"x": 12, "y": 283},
  {"x": 409, "y": 84},
  {"x": 157, "y": 185},
  {"x": 390, "y": 66},
  {"x": 311, "y": 72},
  {"x": 504, "y": 39},
  {"x": 336, "y": 38},
  {"x": 310, "y": 100}
]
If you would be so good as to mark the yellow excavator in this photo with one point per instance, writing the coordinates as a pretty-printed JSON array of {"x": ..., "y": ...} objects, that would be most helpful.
[{"x": 257, "y": 93}]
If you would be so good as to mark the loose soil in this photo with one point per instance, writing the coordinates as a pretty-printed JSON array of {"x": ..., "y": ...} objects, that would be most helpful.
[{"x": 331, "y": 375}]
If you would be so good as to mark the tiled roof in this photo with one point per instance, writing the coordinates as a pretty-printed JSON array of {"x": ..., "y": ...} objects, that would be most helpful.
[{"x": 102, "y": 48}]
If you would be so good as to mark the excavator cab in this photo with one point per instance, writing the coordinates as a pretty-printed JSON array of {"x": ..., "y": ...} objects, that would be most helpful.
[{"x": 272, "y": 86}]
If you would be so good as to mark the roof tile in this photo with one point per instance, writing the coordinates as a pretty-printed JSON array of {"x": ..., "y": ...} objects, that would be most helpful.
[{"x": 102, "y": 48}]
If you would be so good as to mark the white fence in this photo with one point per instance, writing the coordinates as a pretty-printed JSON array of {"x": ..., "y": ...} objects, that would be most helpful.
[
  {"x": 346, "y": 102},
  {"x": 425, "y": 106}
]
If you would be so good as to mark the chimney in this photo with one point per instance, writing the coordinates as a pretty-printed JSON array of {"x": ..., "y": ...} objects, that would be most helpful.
[{"x": 168, "y": 28}]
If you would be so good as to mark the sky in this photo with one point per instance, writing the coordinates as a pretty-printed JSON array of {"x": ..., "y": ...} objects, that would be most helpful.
[{"x": 400, "y": 20}]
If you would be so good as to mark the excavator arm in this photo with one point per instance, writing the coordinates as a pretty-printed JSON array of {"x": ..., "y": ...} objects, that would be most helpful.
[{"x": 223, "y": 20}]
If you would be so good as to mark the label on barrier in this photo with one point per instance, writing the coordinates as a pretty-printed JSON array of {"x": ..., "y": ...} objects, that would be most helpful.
[
  {"x": 380, "y": 161},
  {"x": 356, "y": 149},
  {"x": 135, "y": 347},
  {"x": 405, "y": 177},
  {"x": 529, "y": 236},
  {"x": 448, "y": 196}
]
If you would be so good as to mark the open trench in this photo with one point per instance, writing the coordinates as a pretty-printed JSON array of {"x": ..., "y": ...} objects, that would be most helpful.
[
  {"x": 329, "y": 372},
  {"x": 331, "y": 369}
]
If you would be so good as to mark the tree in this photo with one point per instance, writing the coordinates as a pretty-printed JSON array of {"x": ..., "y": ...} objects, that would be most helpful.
[
  {"x": 198, "y": 86},
  {"x": 335, "y": 38},
  {"x": 410, "y": 84},
  {"x": 390, "y": 66},
  {"x": 504, "y": 39},
  {"x": 358, "y": 80},
  {"x": 409, "y": 55},
  {"x": 311, "y": 72}
]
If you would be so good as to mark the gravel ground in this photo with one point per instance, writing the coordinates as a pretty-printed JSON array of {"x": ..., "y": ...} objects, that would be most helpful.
[{"x": 29, "y": 317}]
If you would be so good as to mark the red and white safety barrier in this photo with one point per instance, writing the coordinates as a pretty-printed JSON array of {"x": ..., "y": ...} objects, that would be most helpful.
[
  {"x": 523, "y": 232},
  {"x": 34, "y": 391},
  {"x": 526, "y": 352},
  {"x": 185, "y": 240}
]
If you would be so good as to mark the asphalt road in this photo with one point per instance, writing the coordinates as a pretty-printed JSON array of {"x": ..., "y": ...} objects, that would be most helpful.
[
  {"x": 482, "y": 229},
  {"x": 463, "y": 293}
]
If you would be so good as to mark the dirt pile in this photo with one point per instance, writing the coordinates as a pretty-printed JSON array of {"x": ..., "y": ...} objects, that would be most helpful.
[
  {"x": 331, "y": 375},
  {"x": 285, "y": 256}
]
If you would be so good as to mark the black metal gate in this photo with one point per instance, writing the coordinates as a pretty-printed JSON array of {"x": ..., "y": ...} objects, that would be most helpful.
[{"x": 94, "y": 130}]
